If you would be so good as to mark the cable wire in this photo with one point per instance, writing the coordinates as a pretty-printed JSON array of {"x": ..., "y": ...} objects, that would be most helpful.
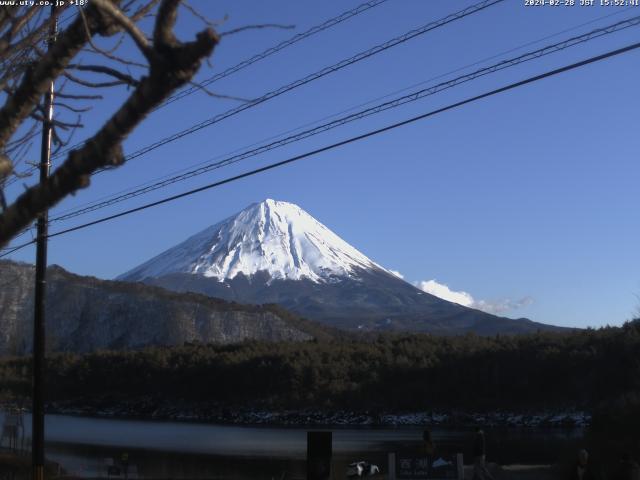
[
  {"x": 261, "y": 56},
  {"x": 16, "y": 248},
  {"x": 314, "y": 76},
  {"x": 270, "y": 51},
  {"x": 357, "y": 138},
  {"x": 371, "y": 133},
  {"x": 350, "y": 109},
  {"x": 412, "y": 97}
]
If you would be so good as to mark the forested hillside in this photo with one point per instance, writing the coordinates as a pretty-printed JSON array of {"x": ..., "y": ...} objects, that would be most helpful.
[{"x": 591, "y": 369}]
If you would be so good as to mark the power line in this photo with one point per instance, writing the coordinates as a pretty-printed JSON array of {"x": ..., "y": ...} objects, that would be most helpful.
[
  {"x": 261, "y": 56},
  {"x": 236, "y": 68},
  {"x": 315, "y": 76},
  {"x": 371, "y": 133},
  {"x": 272, "y": 50},
  {"x": 303, "y": 81},
  {"x": 350, "y": 109},
  {"x": 350, "y": 140},
  {"x": 16, "y": 248},
  {"x": 412, "y": 97}
]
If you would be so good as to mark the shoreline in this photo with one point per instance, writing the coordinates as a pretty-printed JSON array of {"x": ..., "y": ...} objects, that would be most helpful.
[{"x": 568, "y": 419}]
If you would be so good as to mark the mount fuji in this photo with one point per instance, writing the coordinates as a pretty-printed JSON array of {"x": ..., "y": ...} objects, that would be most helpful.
[
  {"x": 275, "y": 252},
  {"x": 277, "y": 238}
]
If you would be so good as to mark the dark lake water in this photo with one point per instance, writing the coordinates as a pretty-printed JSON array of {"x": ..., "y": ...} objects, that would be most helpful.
[{"x": 163, "y": 449}]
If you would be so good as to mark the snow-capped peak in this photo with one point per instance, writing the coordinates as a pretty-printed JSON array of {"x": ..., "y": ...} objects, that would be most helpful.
[{"x": 277, "y": 237}]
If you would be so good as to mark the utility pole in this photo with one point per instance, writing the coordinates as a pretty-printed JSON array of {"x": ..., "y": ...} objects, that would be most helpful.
[{"x": 37, "y": 431}]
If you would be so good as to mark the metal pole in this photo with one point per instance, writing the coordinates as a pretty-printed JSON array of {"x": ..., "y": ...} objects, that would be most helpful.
[{"x": 37, "y": 436}]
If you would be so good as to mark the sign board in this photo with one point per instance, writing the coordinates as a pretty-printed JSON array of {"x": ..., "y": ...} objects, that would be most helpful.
[
  {"x": 412, "y": 466},
  {"x": 113, "y": 471}
]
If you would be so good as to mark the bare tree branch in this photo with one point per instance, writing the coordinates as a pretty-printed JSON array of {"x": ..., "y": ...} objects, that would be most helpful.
[
  {"x": 55, "y": 122},
  {"x": 144, "y": 10},
  {"x": 128, "y": 79},
  {"x": 3, "y": 200},
  {"x": 6, "y": 167},
  {"x": 108, "y": 54},
  {"x": 90, "y": 84},
  {"x": 198, "y": 15},
  {"x": 73, "y": 96},
  {"x": 30, "y": 39},
  {"x": 127, "y": 24},
  {"x": 20, "y": 153},
  {"x": 30, "y": 134},
  {"x": 118, "y": 43},
  {"x": 219, "y": 95},
  {"x": 256, "y": 27},
  {"x": 36, "y": 80},
  {"x": 72, "y": 109},
  {"x": 18, "y": 23},
  {"x": 163, "y": 36},
  {"x": 173, "y": 64},
  {"x": 60, "y": 142},
  {"x": 5, "y": 15}
]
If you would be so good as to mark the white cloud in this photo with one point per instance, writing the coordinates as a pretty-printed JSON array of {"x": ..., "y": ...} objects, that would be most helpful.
[
  {"x": 502, "y": 306},
  {"x": 397, "y": 273},
  {"x": 441, "y": 290}
]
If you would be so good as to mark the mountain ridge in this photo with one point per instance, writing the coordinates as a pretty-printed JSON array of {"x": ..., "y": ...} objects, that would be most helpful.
[
  {"x": 86, "y": 313},
  {"x": 273, "y": 236},
  {"x": 275, "y": 252}
]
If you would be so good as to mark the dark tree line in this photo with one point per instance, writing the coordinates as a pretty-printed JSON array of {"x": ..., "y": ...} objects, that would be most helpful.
[{"x": 590, "y": 369}]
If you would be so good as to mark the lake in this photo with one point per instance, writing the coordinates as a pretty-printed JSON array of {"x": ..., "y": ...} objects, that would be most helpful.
[{"x": 165, "y": 449}]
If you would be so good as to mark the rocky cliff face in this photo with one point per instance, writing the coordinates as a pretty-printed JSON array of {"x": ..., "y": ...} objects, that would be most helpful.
[{"x": 85, "y": 313}]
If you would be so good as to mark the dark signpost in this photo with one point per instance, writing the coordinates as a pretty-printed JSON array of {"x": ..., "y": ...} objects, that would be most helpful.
[
  {"x": 415, "y": 466},
  {"x": 113, "y": 470},
  {"x": 319, "y": 450}
]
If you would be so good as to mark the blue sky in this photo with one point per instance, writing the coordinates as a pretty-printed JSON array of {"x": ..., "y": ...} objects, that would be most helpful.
[{"x": 527, "y": 199}]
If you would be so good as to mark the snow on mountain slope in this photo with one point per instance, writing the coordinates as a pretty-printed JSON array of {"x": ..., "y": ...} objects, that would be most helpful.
[{"x": 277, "y": 237}]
